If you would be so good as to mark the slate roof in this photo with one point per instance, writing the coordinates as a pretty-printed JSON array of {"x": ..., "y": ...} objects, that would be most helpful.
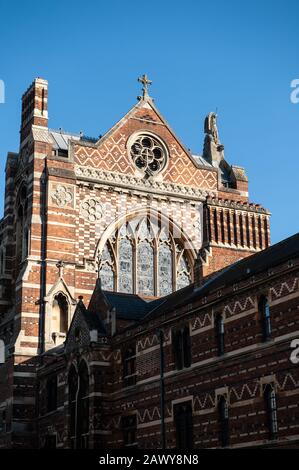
[
  {"x": 61, "y": 138},
  {"x": 130, "y": 306},
  {"x": 93, "y": 319}
]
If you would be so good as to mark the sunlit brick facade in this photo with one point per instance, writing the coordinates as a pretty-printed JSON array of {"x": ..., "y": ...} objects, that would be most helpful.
[{"x": 143, "y": 213}]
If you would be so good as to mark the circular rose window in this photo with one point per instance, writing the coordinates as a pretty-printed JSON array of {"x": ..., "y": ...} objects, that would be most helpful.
[{"x": 148, "y": 154}]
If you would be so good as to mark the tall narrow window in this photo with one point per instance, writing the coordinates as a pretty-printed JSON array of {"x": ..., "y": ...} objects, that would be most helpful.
[
  {"x": 125, "y": 266},
  {"x": 129, "y": 366},
  {"x": 60, "y": 311},
  {"x": 265, "y": 317},
  {"x": 183, "y": 272},
  {"x": 271, "y": 409},
  {"x": 223, "y": 422},
  {"x": 183, "y": 425},
  {"x": 145, "y": 268},
  {"x": 219, "y": 330},
  {"x": 106, "y": 269},
  {"x": 165, "y": 270},
  {"x": 51, "y": 389},
  {"x": 129, "y": 428},
  {"x": 181, "y": 347}
]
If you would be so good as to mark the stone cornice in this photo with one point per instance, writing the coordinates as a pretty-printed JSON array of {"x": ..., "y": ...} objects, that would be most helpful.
[
  {"x": 241, "y": 206},
  {"x": 119, "y": 180}
]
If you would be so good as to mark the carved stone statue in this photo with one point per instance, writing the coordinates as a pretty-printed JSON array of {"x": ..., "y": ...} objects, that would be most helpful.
[
  {"x": 213, "y": 149},
  {"x": 211, "y": 127}
]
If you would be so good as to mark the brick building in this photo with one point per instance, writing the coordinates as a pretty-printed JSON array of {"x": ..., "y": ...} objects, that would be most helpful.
[{"x": 130, "y": 311}]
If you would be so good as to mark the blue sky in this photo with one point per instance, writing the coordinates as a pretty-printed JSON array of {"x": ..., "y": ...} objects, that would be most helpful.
[{"x": 239, "y": 57}]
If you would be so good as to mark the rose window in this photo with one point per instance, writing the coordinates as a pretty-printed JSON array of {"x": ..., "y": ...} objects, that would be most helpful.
[{"x": 148, "y": 154}]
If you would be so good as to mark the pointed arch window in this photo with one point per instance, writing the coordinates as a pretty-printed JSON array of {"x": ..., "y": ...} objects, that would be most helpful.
[
  {"x": 107, "y": 272},
  {"x": 142, "y": 257},
  {"x": 125, "y": 266},
  {"x": 165, "y": 269},
  {"x": 145, "y": 268},
  {"x": 183, "y": 271},
  {"x": 60, "y": 316}
]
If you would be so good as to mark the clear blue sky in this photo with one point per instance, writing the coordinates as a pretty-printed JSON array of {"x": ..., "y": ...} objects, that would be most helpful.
[{"x": 237, "y": 56}]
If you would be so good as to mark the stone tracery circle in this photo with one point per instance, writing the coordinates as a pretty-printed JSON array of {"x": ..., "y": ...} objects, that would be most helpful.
[
  {"x": 148, "y": 154},
  {"x": 91, "y": 209}
]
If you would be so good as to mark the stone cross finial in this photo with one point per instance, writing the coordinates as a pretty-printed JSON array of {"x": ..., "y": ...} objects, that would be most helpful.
[{"x": 145, "y": 82}]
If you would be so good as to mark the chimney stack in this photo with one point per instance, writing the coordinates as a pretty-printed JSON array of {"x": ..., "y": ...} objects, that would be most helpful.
[{"x": 34, "y": 107}]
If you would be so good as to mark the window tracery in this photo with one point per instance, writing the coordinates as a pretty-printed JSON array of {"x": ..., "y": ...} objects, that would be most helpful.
[
  {"x": 142, "y": 257},
  {"x": 148, "y": 154}
]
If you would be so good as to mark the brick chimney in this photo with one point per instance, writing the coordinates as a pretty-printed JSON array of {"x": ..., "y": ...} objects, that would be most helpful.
[{"x": 34, "y": 107}]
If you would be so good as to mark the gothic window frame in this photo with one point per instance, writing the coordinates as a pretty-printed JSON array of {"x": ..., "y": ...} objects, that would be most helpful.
[
  {"x": 130, "y": 229},
  {"x": 67, "y": 314},
  {"x": 110, "y": 263}
]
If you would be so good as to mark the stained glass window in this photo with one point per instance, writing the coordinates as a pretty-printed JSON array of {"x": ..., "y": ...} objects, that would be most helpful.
[
  {"x": 145, "y": 268},
  {"x": 165, "y": 270},
  {"x": 142, "y": 244},
  {"x": 183, "y": 274},
  {"x": 125, "y": 266},
  {"x": 107, "y": 277},
  {"x": 107, "y": 271}
]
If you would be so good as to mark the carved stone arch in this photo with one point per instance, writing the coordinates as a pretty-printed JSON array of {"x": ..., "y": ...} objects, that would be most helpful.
[
  {"x": 144, "y": 212},
  {"x": 127, "y": 279}
]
